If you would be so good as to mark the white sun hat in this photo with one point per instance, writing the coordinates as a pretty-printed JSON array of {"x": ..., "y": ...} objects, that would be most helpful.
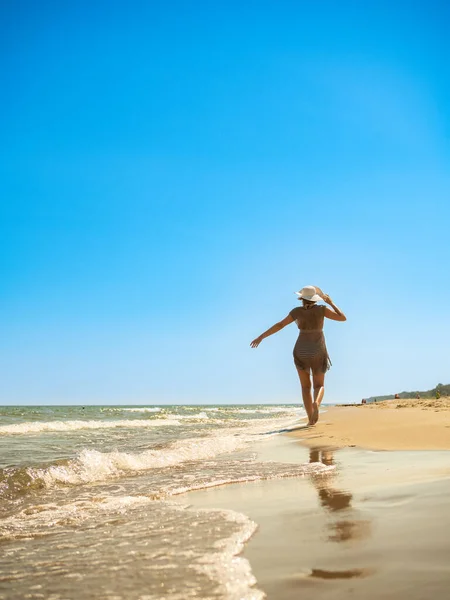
[{"x": 309, "y": 292}]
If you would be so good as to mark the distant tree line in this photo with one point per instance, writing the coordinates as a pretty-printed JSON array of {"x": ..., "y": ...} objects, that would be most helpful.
[{"x": 443, "y": 390}]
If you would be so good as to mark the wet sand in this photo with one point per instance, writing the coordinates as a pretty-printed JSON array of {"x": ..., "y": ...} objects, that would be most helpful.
[{"x": 376, "y": 526}]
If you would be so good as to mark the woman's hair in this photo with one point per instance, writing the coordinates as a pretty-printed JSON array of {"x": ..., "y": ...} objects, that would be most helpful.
[{"x": 308, "y": 302}]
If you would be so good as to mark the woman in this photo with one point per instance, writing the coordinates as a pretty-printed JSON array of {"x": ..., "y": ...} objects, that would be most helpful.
[{"x": 310, "y": 351}]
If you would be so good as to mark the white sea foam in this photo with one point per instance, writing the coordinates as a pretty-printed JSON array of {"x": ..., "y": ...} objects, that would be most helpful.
[
  {"x": 233, "y": 572},
  {"x": 263, "y": 411},
  {"x": 39, "y": 427},
  {"x": 219, "y": 560},
  {"x": 92, "y": 466},
  {"x": 200, "y": 415},
  {"x": 43, "y": 517},
  {"x": 146, "y": 409},
  {"x": 270, "y": 410}
]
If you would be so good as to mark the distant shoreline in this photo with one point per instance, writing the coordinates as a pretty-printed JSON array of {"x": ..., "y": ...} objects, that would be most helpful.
[{"x": 444, "y": 390}]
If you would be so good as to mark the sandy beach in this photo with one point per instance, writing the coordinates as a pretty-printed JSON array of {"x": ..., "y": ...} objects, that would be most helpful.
[
  {"x": 392, "y": 425},
  {"x": 224, "y": 502},
  {"x": 375, "y": 526}
]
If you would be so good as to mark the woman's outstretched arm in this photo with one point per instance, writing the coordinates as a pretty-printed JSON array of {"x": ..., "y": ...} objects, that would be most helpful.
[{"x": 277, "y": 327}]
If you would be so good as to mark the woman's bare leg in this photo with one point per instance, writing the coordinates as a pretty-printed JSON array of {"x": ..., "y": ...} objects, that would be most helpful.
[
  {"x": 305, "y": 381},
  {"x": 318, "y": 383},
  {"x": 319, "y": 390}
]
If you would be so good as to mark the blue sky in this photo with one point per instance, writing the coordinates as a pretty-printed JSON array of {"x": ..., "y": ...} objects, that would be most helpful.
[{"x": 172, "y": 172}]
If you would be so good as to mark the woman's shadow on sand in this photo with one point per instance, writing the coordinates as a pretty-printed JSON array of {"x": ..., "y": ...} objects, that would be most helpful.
[{"x": 302, "y": 427}]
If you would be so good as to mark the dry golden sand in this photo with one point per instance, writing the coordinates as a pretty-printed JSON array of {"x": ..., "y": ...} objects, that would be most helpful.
[{"x": 391, "y": 425}]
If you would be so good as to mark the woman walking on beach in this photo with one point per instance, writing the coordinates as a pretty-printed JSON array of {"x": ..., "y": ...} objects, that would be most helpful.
[{"x": 310, "y": 351}]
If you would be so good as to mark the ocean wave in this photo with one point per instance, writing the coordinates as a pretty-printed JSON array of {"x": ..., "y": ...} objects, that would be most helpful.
[
  {"x": 31, "y": 427},
  {"x": 39, "y": 518},
  {"x": 248, "y": 473},
  {"x": 39, "y": 427},
  {"x": 201, "y": 416},
  {"x": 269, "y": 410},
  {"x": 262, "y": 411},
  {"x": 92, "y": 466},
  {"x": 143, "y": 409}
]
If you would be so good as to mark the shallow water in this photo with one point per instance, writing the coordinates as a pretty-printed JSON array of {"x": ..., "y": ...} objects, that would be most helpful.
[
  {"x": 376, "y": 526},
  {"x": 88, "y": 499}
]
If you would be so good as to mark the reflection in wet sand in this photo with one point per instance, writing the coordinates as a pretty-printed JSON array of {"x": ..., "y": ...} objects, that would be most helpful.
[
  {"x": 334, "y": 499},
  {"x": 350, "y": 574},
  {"x": 300, "y": 579},
  {"x": 342, "y": 530}
]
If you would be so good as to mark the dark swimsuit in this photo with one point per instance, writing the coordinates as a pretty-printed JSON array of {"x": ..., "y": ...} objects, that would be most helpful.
[{"x": 310, "y": 350}]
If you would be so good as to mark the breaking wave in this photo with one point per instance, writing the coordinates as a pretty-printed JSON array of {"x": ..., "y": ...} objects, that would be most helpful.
[{"x": 38, "y": 427}]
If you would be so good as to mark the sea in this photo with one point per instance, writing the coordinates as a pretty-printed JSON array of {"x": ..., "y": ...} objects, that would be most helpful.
[{"x": 93, "y": 499}]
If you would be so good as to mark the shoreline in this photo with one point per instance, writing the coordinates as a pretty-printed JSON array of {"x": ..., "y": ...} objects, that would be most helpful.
[{"x": 374, "y": 526}]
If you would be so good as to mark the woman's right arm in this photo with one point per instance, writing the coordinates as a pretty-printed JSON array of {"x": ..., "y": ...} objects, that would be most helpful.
[
  {"x": 274, "y": 329},
  {"x": 336, "y": 314}
]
